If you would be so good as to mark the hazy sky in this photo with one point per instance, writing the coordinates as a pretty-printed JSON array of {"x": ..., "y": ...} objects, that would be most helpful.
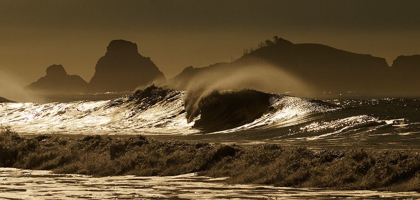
[{"x": 175, "y": 34}]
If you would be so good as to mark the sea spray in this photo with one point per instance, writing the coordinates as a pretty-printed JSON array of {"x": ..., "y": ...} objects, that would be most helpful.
[
  {"x": 12, "y": 88},
  {"x": 261, "y": 77}
]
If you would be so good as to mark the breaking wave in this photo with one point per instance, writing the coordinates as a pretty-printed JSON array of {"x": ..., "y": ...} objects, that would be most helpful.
[{"x": 162, "y": 111}]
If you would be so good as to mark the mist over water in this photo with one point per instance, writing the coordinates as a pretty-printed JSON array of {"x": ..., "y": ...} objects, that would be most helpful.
[
  {"x": 261, "y": 77},
  {"x": 11, "y": 87}
]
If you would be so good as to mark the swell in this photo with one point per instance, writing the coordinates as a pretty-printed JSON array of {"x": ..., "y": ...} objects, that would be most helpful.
[{"x": 244, "y": 164}]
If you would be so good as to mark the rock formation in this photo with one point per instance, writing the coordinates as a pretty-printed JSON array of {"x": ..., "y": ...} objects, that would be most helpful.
[
  {"x": 406, "y": 72},
  {"x": 59, "y": 82},
  {"x": 123, "y": 69},
  {"x": 322, "y": 68}
]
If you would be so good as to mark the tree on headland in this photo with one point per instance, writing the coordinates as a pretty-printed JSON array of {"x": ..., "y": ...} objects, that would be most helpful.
[{"x": 276, "y": 40}]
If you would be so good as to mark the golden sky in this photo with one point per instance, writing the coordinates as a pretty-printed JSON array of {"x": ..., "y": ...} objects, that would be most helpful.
[{"x": 35, "y": 34}]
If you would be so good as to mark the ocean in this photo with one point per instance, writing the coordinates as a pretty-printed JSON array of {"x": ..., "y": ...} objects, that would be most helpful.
[
  {"x": 232, "y": 116},
  {"x": 244, "y": 117}
]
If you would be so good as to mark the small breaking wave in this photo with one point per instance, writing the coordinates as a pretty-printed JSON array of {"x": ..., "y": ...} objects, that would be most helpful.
[{"x": 163, "y": 112}]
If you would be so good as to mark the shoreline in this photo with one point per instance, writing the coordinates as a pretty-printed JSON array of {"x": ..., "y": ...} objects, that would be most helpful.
[{"x": 266, "y": 164}]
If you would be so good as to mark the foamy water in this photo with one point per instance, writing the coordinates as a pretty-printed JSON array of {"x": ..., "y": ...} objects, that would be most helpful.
[
  {"x": 162, "y": 112},
  {"x": 287, "y": 111},
  {"x": 37, "y": 184},
  {"x": 128, "y": 116},
  {"x": 109, "y": 117}
]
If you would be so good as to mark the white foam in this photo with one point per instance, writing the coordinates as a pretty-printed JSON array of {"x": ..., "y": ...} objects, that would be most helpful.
[
  {"x": 124, "y": 116},
  {"x": 96, "y": 117},
  {"x": 287, "y": 110}
]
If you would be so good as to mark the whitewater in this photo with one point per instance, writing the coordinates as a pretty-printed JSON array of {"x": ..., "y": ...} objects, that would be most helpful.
[
  {"x": 246, "y": 115},
  {"x": 134, "y": 114},
  {"x": 240, "y": 117}
]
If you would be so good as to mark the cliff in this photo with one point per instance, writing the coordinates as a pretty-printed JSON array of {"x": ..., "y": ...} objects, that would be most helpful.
[
  {"x": 123, "y": 69},
  {"x": 406, "y": 73}
]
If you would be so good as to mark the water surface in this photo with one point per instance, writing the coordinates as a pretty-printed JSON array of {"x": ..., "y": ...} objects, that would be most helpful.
[{"x": 38, "y": 184}]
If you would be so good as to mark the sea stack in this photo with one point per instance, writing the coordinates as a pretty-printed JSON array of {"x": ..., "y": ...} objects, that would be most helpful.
[
  {"x": 59, "y": 82},
  {"x": 123, "y": 69}
]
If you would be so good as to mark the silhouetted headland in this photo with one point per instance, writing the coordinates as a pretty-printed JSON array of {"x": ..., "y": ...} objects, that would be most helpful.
[
  {"x": 406, "y": 72},
  {"x": 58, "y": 81},
  {"x": 123, "y": 69},
  {"x": 322, "y": 68}
]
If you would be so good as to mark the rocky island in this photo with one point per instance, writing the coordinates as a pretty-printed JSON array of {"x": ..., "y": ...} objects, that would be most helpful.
[
  {"x": 58, "y": 81},
  {"x": 124, "y": 69}
]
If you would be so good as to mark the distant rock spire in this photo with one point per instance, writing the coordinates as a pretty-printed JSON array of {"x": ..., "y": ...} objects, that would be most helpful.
[{"x": 123, "y": 69}]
